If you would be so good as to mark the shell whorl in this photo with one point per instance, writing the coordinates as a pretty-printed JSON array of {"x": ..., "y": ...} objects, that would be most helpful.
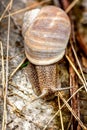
[{"x": 46, "y": 36}]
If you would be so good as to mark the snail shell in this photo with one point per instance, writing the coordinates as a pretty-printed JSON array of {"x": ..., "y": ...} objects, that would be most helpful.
[{"x": 46, "y": 33}]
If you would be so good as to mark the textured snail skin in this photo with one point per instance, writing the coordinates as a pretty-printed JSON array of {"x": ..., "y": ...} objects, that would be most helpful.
[
  {"x": 43, "y": 79},
  {"x": 46, "y": 33}
]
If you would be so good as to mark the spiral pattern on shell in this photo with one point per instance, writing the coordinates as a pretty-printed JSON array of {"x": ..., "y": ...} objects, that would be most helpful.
[{"x": 46, "y": 35}]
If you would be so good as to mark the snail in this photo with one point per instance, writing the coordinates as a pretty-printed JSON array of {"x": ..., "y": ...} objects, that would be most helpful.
[{"x": 46, "y": 33}]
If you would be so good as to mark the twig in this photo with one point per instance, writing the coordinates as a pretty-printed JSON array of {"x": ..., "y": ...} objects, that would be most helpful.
[
  {"x": 73, "y": 113},
  {"x": 3, "y": 70},
  {"x": 11, "y": 75},
  {"x": 21, "y": 53},
  {"x": 74, "y": 83},
  {"x": 3, "y": 79},
  {"x": 79, "y": 65},
  {"x": 11, "y": 2},
  {"x": 61, "y": 108},
  {"x": 16, "y": 87},
  {"x": 6, "y": 84},
  {"x": 7, "y": 7},
  {"x": 27, "y": 8},
  {"x": 76, "y": 71},
  {"x": 71, "y": 6},
  {"x": 69, "y": 124},
  {"x": 61, "y": 118},
  {"x": 15, "y": 109},
  {"x": 14, "y": 21}
]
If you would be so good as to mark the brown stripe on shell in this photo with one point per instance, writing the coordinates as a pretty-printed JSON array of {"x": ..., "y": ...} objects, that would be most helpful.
[
  {"x": 45, "y": 40},
  {"x": 41, "y": 55},
  {"x": 52, "y": 48}
]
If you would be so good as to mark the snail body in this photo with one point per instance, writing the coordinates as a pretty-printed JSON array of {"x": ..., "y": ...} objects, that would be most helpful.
[
  {"x": 46, "y": 36},
  {"x": 43, "y": 80}
]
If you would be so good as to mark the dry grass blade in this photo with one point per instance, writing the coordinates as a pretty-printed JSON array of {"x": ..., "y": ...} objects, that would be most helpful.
[
  {"x": 14, "y": 21},
  {"x": 76, "y": 71},
  {"x": 71, "y": 6},
  {"x": 79, "y": 65},
  {"x": 7, "y": 7},
  {"x": 15, "y": 109},
  {"x": 28, "y": 8},
  {"x": 6, "y": 84},
  {"x": 11, "y": 75},
  {"x": 3, "y": 84},
  {"x": 11, "y": 2},
  {"x": 4, "y": 12},
  {"x": 62, "y": 107},
  {"x": 3, "y": 70},
  {"x": 73, "y": 113},
  {"x": 18, "y": 54},
  {"x": 61, "y": 118},
  {"x": 16, "y": 87}
]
